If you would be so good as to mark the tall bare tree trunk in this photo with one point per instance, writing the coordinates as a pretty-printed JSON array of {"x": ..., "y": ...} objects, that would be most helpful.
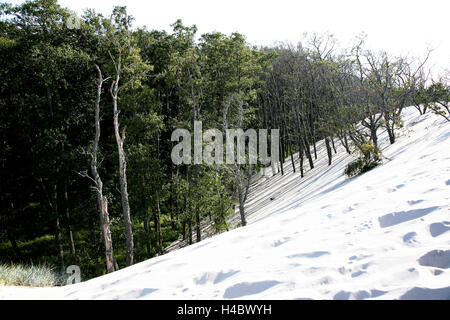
[
  {"x": 120, "y": 138},
  {"x": 101, "y": 200}
]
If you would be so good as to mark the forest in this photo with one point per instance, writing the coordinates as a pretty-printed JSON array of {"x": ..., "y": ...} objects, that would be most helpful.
[{"x": 87, "y": 111}]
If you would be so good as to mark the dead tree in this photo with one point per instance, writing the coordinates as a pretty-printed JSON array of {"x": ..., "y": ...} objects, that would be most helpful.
[
  {"x": 98, "y": 184},
  {"x": 120, "y": 138}
]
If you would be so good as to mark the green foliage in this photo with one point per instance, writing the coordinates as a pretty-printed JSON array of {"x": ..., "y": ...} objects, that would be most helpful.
[
  {"x": 436, "y": 97},
  {"x": 369, "y": 158}
]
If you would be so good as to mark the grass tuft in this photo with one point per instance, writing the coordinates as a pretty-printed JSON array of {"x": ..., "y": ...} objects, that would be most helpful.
[{"x": 30, "y": 276}]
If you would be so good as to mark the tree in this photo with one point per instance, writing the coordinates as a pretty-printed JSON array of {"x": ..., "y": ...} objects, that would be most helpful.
[
  {"x": 127, "y": 64},
  {"x": 439, "y": 95},
  {"x": 101, "y": 199}
]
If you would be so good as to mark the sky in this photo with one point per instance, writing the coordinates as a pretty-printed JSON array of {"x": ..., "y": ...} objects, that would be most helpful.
[{"x": 400, "y": 27}]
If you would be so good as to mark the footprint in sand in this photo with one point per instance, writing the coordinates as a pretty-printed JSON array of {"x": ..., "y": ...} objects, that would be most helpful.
[
  {"x": 248, "y": 288},
  {"x": 436, "y": 258},
  {"x": 410, "y": 239},
  {"x": 436, "y": 229}
]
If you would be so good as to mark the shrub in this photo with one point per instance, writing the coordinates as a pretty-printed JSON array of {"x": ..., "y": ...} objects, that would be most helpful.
[
  {"x": 369, "y": 158},
  {"x": 30, "y": 276}
]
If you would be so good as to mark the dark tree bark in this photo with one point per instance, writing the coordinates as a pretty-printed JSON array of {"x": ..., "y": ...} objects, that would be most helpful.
[
  {"x": 189, "y": 223},
  {"x": 14, "y": 245},
  {"x": 292, "y": 159},
  {"x": 52, "y": 200},
  {"x": 147, "y": 229},
  {"x": 197, "y": 223},
  {"x": 59, "y": 235},
  {"x": 69, "y": 224},
  {"x": 329, "y": 152},
  {"x": 300, "y": 155},
  {"x": 334, "y": 146},
  {"x": 315, "y": 149},
  {"x": 344, "y": 142},
  {"x": 158, "y": 224},
  {"x": 390, "y": 128}
]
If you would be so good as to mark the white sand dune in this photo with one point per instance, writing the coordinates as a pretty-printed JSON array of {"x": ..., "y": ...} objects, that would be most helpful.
[{"x": 383, "y": 235}]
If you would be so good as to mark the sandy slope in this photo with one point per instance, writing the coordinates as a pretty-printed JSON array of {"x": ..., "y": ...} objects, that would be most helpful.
[{"x": 383, "y": 235}]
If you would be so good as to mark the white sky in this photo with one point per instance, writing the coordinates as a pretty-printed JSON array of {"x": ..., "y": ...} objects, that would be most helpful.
[{"x": 396, "y": 26}]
